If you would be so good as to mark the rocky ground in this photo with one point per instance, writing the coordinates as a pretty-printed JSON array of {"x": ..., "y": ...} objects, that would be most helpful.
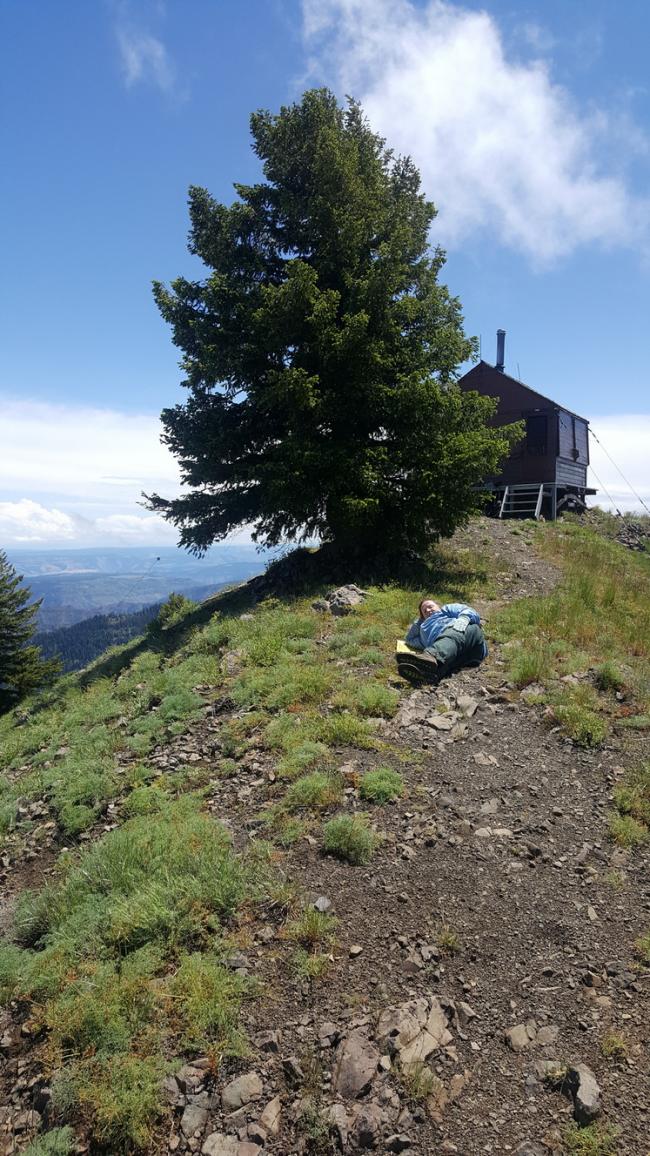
[{"x": 482, "y": 960}]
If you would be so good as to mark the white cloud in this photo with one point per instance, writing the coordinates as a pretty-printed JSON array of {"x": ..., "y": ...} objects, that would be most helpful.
[
  {"x": 500, "y": 146},
  {"x": 72, "y": 450},
  {"x": 144, "y": 57},
  {"x": 75, "y": 475},
  {"x": 28, "y": 521},
  {"x": 626, "y": 438}
]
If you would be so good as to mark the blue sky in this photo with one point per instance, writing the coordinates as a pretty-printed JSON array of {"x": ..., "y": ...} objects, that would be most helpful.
[{"x": 529, "y": 121}]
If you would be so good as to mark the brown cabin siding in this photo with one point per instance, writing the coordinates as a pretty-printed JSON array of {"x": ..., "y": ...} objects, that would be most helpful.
[{"x": 561, "y": 457}]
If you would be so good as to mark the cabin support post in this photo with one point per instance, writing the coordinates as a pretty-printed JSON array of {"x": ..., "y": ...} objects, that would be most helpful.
[{"x": 554, "y": 503}]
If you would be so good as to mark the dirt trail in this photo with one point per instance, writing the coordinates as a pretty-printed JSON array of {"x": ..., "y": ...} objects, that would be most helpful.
[{"x": 495, "y": 902}]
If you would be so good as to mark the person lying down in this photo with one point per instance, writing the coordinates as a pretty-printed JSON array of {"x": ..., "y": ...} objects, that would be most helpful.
[{"x": 440, "y": 641}]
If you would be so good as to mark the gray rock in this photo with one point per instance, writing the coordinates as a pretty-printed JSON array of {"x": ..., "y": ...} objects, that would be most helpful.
[
  {"x": 241, "y": 1091},
  {"x": 413, "y": 1030},
  {"x": 336, "y": 1118},
  {"x": 467, "y": 705},
  {"x": 547, "y": 1035},
  {"x": 219, "y": 1144},
  {"x": 356, "y": 1066},
  {"x": 193, "y": 1120},
  {"x": 368, "y": 1124},
  {"x": 440, "y": 722},
  {"x": 269, "y": 1041},
  {"x": 399, "y": 1142},
  {"x": 328, "y": 1035},
  {"x": 586, "y": 1093},
  {"x": 190, "y": 1079},
  {"x": 519, "y": 1038},
  {"x": 322, "y": 903},
  {"x": 343, "y": 600},
  {"x": 270, "y": 1117}
]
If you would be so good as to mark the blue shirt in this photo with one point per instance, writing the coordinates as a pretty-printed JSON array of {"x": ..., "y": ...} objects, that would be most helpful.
[{"x": 424, "y": 631}]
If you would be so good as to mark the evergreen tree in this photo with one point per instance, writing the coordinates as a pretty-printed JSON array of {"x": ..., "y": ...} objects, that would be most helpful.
[
  {"x": 320, "y": 351},
  {"x": 21, "y": 667}
]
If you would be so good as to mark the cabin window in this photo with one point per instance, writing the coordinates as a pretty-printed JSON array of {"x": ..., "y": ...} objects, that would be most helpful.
[{"x": 537, "y": 434}]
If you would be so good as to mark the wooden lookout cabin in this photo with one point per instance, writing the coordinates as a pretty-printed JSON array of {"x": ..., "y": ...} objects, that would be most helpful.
[{"x": 547, "y": 470}]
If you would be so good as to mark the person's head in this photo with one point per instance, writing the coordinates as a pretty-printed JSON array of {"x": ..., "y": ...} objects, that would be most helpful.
[{"x": 428, "y": 607}]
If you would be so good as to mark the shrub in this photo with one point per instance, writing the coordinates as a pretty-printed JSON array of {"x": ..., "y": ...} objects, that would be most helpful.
[
  {"x": 381, "y": 785},
  {"x": 350, "y": 837},
  {"x": 170, "y": 614},
  {"x": 57, "y": 1142}
]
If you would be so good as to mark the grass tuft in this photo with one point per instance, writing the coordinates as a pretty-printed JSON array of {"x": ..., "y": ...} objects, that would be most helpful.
[
  {"x": 350, "y": 837},
  {"x": 596, "y": 1140},
  {"x": 57, "y": 1142},
  {"x": 626, "y": 831},
  {"x": 313, "y": 792},
  {"x": 642, "y": 947},
  {"x": 381, "y": 785}
]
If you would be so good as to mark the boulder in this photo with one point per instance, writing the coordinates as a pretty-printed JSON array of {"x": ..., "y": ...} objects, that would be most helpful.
[
  {"x": 586, "y": 1093},
  {"x": 414, "y": 1030},
  {"x": 356, "y": 1066},
  {"x": 343, "y": 600},
  {"x": 270, "y": 1117},
  {"x": 241, "y": 1091}
]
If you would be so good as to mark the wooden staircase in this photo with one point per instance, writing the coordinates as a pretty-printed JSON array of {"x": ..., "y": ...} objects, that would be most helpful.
[{"x": 524, "y": 501}]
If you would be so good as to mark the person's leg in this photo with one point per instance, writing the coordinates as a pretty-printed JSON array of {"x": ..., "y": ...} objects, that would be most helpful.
[
  {"x": 457, "y": 648},
  {"x": 475, "y": 648}
]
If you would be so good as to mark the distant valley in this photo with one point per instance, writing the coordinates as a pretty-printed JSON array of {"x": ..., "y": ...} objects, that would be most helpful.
[{"x": 79, "y": 584}]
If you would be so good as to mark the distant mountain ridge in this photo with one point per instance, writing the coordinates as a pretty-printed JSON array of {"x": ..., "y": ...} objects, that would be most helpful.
[
  {"x": 78, "y": 584},
  {"x": 78, "y": 645}
]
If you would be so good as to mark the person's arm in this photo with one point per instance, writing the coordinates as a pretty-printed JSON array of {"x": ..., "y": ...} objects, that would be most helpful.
[
  {"x": 413, "y": 636},
  {"x": 456, "y": 609}
]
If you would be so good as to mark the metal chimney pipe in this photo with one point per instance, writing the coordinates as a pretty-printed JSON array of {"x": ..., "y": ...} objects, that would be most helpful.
[{"x": 501, "y": 350}]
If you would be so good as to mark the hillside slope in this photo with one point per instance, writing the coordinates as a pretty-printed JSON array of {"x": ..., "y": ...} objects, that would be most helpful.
[{"x": 354, "y": 916}]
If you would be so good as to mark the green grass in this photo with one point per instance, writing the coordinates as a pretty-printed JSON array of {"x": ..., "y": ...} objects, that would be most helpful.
[
  {"x": 57, "y": 1142},
  {"x": 596, "y": 1140},
  {"x": 448, "y": 939},
  {"x": 381, "y": 785},
  {"x": 306, "y": 756},
  {"x": 121, "y": 953},
  {"x": 632, "y": 797},
  {"x": 626, "y": 831},
  {"x": 642, "y": 947},
  {"x": 595, "y": 617},
  {"x": 209, "y": 997},
  {"x": 313, "y": 930},
  {"x": 350, "y": 837},
  {"x": 313, "y": 792},
  {"x": 418, "y": 1081},
  {"x": 613, "y": 1046}
]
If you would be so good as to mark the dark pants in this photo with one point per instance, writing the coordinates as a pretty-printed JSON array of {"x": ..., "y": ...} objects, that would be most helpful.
[{"x": 457, "y": 648}]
